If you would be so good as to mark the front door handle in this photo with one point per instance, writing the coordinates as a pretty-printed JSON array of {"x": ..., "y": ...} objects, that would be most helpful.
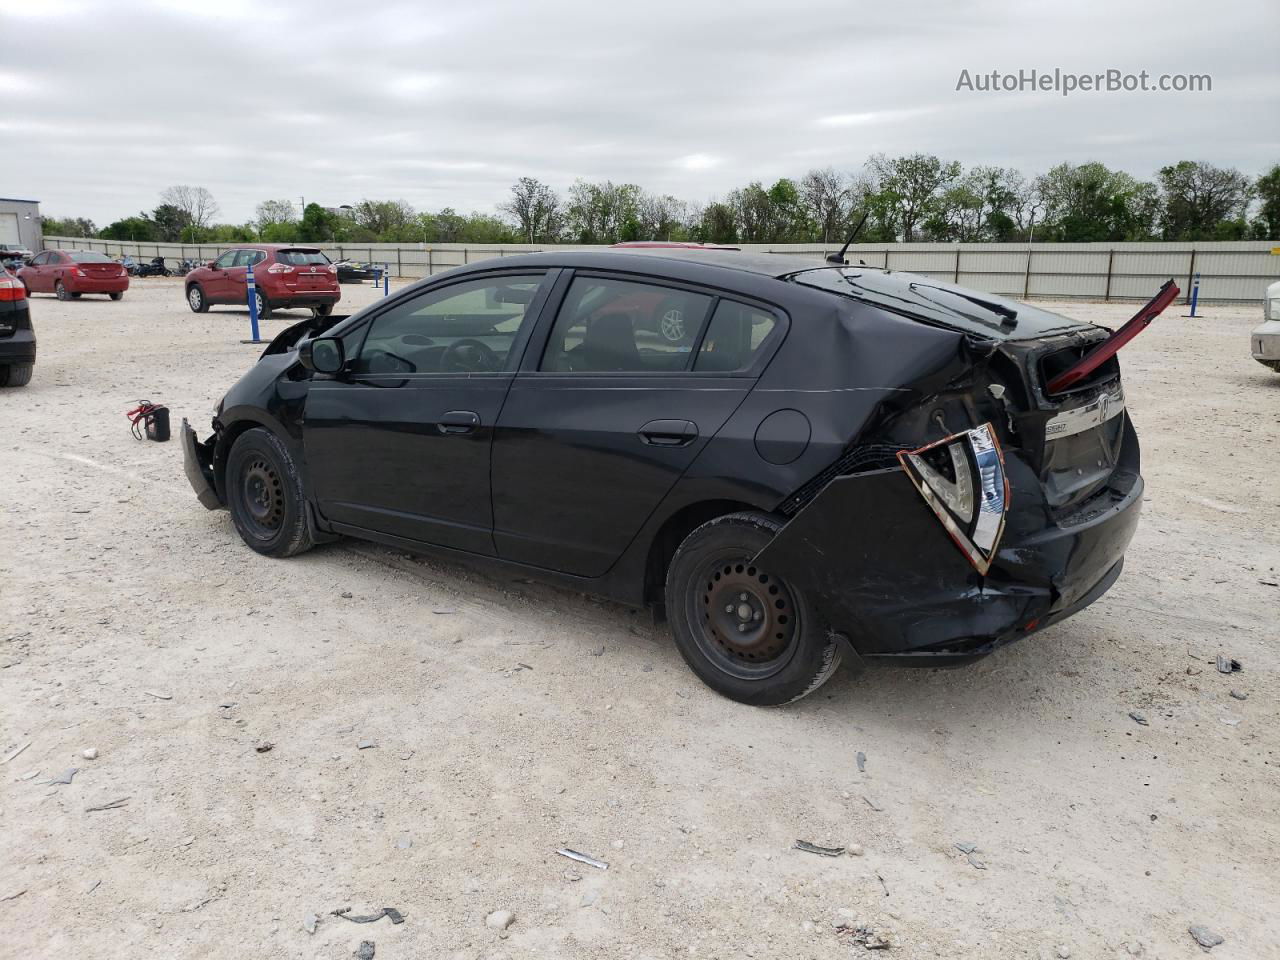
[
  {"x": 458, "y": 422},
  {"x": 668, "y": 433}
]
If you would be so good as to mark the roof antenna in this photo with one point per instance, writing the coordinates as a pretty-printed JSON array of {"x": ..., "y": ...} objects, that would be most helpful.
[{"x": 839, "y": 257}]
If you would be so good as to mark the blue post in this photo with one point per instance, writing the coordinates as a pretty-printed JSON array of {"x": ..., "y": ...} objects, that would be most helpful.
[
  {"x": 253, "y": 305},
  {"x": 1195, "y": 294},
  {"x": 386, "y": 280}
]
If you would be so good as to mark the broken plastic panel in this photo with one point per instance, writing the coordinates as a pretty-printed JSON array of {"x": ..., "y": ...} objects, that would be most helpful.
[{"x": 962, "y": 479}]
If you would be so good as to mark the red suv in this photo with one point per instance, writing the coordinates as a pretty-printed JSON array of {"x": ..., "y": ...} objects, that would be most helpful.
[
  {"x": 69, "y": 273},
  {"x": 284, "y": 275}
]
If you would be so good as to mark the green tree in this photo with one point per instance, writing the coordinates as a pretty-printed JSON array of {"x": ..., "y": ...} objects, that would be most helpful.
[
  {"x": 70, "y": 227},
  {"x": 140, "y": 228},
  {"x": 1091, "y": 203},
  {"x": 536, "y": 209},
  {"x": 319, "y": 225},
  {"x": 1203, "y": 202},
  {"x": 170, "y": 222},
  {"x": 908, "y": 190},
  {"x": 1268, "y": 191}
]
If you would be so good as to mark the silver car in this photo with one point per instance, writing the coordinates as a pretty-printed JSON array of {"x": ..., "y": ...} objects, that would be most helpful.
[{"x": 1265, "y": 340}]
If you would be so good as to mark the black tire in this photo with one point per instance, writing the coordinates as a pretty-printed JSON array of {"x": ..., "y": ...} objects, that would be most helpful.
[
  {"x": 118, "y": 295},
  {"x": 324, "y": 310},
  {"x": 196, "y": 299},
  {"x": 16, "y": 374},
  {"x": 264, "y": 305},
  {"x": 264, "y": 494},
  {"x": 781, "y": 654},
  {"x": 60, "y": 291}
]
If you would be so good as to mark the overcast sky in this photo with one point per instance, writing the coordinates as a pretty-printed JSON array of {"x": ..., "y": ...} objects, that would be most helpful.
[{"x": 106, "y": 103}]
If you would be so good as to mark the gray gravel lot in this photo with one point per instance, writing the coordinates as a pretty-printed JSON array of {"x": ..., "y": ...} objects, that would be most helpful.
[{"x": 135, "y": 622}]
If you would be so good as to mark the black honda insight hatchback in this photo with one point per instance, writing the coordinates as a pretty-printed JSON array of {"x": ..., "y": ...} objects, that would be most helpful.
[{"x": 800, "y": 462}]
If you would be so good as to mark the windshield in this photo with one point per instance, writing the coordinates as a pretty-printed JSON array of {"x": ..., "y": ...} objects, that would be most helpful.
[{"x": 971, "y": 311}]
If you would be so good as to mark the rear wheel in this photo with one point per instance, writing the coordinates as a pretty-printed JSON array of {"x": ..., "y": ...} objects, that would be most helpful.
[
  {"x": 60, "y": 291},
  {"x": 264, "y": 493},
  {"x": 118, "y": 295},
  {"x": 16, "y": 374},
  {"x": 744, "y": 631},
  {"x": 323, "y": 310},
  {"x": 196, "y": 299}
]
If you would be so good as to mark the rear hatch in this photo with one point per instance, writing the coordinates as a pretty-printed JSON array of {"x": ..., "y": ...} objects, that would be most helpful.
[
  {"x": 309, "y": 271},
  {"x": 1073, "y": 438}
]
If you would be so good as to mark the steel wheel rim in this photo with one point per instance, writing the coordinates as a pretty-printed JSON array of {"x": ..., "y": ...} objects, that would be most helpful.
[
  {"x": 193, "y": 298},
  {"x": 262, "y": 498},
  {"x": 260, "y": 303},
  {"x": 745, "y": 620}
]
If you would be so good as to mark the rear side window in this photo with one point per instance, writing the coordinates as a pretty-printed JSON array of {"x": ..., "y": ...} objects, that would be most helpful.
[
  {"x": 620, "y": 326},
  {"x": 88, "y": 256},
  {"x": 301, "y": 258},
  {"x": 734, "y": 338}
]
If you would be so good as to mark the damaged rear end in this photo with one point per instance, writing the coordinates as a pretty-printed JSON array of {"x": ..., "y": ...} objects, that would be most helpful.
[{"x": 996, "y": 499}]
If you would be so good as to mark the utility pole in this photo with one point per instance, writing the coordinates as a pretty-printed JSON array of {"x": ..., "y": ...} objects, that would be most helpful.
[{"x": 302, "y": 211}]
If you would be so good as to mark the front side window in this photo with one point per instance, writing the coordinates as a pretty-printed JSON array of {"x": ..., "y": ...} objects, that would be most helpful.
[
  {"x": 227, "y": 260},
  {"x": 467, "y": 327},
  {"x": 620, "y": 326},
  {"x": 40, "y": 260}
]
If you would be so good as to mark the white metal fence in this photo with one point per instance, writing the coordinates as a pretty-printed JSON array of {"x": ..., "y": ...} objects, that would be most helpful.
[{"x": 1230, "y": 271}]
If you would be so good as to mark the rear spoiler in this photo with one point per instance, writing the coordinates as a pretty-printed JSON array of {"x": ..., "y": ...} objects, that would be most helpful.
[{"x": 1110, "y": 346}]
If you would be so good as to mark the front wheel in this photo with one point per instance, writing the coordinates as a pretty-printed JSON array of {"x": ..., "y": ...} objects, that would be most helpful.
[
  {"x": 745, "y": 632},
  {"x": 196, "y": 299},
  {"x": 264, "y": 494},
  {"x": 15, "y": 374}
]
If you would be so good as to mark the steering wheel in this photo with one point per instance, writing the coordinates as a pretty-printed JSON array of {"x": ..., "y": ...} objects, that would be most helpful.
[{"x": 469, "y": 355}]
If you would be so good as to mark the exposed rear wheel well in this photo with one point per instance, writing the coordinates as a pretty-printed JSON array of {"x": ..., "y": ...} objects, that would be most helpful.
[{"x": 678, "y": 526}]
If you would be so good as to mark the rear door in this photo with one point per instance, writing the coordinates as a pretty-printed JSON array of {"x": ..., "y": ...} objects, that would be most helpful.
[
  {"x": 605, "y": 417},
  {"x": 400, "y": 443}
]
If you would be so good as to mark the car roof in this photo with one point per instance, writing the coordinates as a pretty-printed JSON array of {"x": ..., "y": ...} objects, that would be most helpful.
[{"x": 772, "y": 265}]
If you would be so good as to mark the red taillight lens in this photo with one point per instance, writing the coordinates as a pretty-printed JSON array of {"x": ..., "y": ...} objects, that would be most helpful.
[
  {"x": 78, "y": 272},
  {"x": 333, "y": 269},
  {"x": 12, "y": 289},
  {"x": 279, "y": 268}
]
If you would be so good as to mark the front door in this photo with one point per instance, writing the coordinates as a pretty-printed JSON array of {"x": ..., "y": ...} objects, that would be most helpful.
[
  {"x": 217, "y": 286},
  {"x": 400, "y": 443},
  {"x": 595, "y": 434}
]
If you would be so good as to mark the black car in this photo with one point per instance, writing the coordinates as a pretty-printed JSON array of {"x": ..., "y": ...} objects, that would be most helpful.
[
  {"x": 349, "y": 271},
  {"x": 17, "y": 338},
  {"x": 837, "y": 462}
]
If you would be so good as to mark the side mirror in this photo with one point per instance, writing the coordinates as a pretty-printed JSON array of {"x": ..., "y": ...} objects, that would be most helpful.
[
  {"x": 322, "y": 355},
  {"x": 212, "y": 264}
]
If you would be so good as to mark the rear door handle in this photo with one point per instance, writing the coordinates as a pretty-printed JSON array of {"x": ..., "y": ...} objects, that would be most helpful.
[
  {"x": 458, "y": 422},
  {"x": 668, "y": 433}
]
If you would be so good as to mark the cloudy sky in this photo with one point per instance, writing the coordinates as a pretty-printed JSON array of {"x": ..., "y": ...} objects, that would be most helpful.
[{"x": 106, "y": 103}]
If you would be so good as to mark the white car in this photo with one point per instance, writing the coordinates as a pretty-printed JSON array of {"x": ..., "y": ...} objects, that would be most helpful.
[{"x": 1265, "y": 339}]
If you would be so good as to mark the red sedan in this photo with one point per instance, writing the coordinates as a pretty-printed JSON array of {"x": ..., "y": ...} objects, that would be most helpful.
[{"x": 70, "y": 273}]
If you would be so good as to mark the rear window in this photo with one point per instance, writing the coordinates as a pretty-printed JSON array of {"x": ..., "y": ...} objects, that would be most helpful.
[
  {"x": 301, "y": 258},
  {"x": 736, "y": 334},
  {"x": 88, "y": 256},
  {"x": 970, "y": 311}
]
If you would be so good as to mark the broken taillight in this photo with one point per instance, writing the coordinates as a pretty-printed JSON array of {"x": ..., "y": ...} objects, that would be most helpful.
[
  {"x": 962, "y": 479},
  {"x": 1109, "y": 347}
]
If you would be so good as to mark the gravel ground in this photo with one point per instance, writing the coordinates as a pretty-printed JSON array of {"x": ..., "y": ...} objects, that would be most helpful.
[{"x": 510, "y": 718}]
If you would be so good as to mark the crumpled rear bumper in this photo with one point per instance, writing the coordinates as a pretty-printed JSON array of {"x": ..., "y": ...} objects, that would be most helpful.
[
  {"x": 197, "y": 462},
  {"x": 878, "y": 567}
]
